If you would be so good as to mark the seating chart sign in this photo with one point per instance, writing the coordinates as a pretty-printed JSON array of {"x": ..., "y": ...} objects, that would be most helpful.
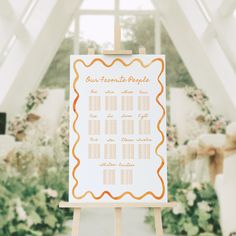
[{"x": 117, "y": 129}]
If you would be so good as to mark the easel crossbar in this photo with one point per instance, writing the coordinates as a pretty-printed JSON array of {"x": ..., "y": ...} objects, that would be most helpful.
[{"x": 63, "y": 204}]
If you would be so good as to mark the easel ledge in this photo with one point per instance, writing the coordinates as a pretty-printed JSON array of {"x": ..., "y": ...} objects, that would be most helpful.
[{"x": 81, "y": 205}]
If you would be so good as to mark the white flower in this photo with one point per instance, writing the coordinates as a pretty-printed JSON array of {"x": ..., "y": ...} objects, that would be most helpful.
[
  {"x": 20, "y": 211},
  {"x": 30, "y": 222},
  {"x": 191, "y": 197},
  {"x": 196, "y": 185},
  {"x": 204, "y": 206},
  {"x": 50, "y": 192},
  {"x": 179, "y": 209}
]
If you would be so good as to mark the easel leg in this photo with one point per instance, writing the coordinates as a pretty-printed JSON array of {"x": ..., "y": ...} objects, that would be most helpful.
[
  {"x": 75, "y": 223},
  {"x": 118, "y": 221},
  {"x": 158, "y": 222}
]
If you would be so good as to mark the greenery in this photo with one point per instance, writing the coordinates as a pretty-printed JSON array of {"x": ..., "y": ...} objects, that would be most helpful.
[
  {"x": 31, "y": 186},
  {"x": 30, "y": 208},
  {"x": 196, "y": 212},
  {"x": 139, "y": 32},
  {"x": 34, "y": 178},
  {"x": 35, "y": 99}
]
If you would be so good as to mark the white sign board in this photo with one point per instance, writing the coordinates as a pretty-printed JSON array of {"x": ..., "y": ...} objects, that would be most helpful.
[{"x": 117, "y": 129}]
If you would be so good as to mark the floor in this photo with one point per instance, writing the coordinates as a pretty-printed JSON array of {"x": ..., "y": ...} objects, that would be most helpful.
[{"x": 100, "y": 222}]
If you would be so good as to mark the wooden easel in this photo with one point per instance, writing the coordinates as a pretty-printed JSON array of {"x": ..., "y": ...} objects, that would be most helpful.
[
  {"x": 117, "y": 206},
  {"x": 118, "y": 209}
]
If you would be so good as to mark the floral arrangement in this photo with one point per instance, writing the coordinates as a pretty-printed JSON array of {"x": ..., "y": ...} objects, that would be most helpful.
[
  {"x": 197, "y": 209},
  {"x": 33, "y": 179},
  {"x": 215, "y": 123},
  {"x": 17, "y": 127},
  {"x": 198, "y": 96},
  {"x": 35, "y": 99},
  {"x": 196, "y": 212},
  {"x": 31, "y": 207}
]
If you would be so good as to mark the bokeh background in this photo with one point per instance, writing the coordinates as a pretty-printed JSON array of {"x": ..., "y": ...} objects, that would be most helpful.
[{"x": 198, "y": 38}]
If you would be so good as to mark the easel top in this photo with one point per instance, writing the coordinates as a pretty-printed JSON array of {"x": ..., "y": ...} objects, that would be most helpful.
[{"x": 109, "y": 58}]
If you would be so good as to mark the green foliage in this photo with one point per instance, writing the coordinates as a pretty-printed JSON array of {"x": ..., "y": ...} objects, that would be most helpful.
[
  {"x": 196, "y": 213},
  {"x": 27, "y": 208},
  {"x": 33, "y": 179},
  {"x": 139, "y": 32},
  {"x": 58, "y": 71}
]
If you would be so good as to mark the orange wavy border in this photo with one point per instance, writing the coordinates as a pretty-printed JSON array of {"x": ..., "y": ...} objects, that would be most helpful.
[{"x": 158, "y": 128}]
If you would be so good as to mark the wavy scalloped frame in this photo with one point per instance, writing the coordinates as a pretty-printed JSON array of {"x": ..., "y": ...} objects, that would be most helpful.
[{"x": 158, "y": 128}]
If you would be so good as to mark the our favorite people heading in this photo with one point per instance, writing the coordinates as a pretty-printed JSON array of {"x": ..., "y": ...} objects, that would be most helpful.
[{"x": 120, "y": 79}]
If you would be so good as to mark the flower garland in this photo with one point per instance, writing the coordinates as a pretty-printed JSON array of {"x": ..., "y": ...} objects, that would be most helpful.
[
  {"x": 18, "y": 126},
  {"x": 215, "y": 123},
  {"x": 35, "y": 99}
]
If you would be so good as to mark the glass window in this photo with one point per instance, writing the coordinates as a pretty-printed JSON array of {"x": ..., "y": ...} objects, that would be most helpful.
[
  {"x": 138, "y": 31},
  {"x": 99, "y": 29},
  {"x": 95, "y": 4}
]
